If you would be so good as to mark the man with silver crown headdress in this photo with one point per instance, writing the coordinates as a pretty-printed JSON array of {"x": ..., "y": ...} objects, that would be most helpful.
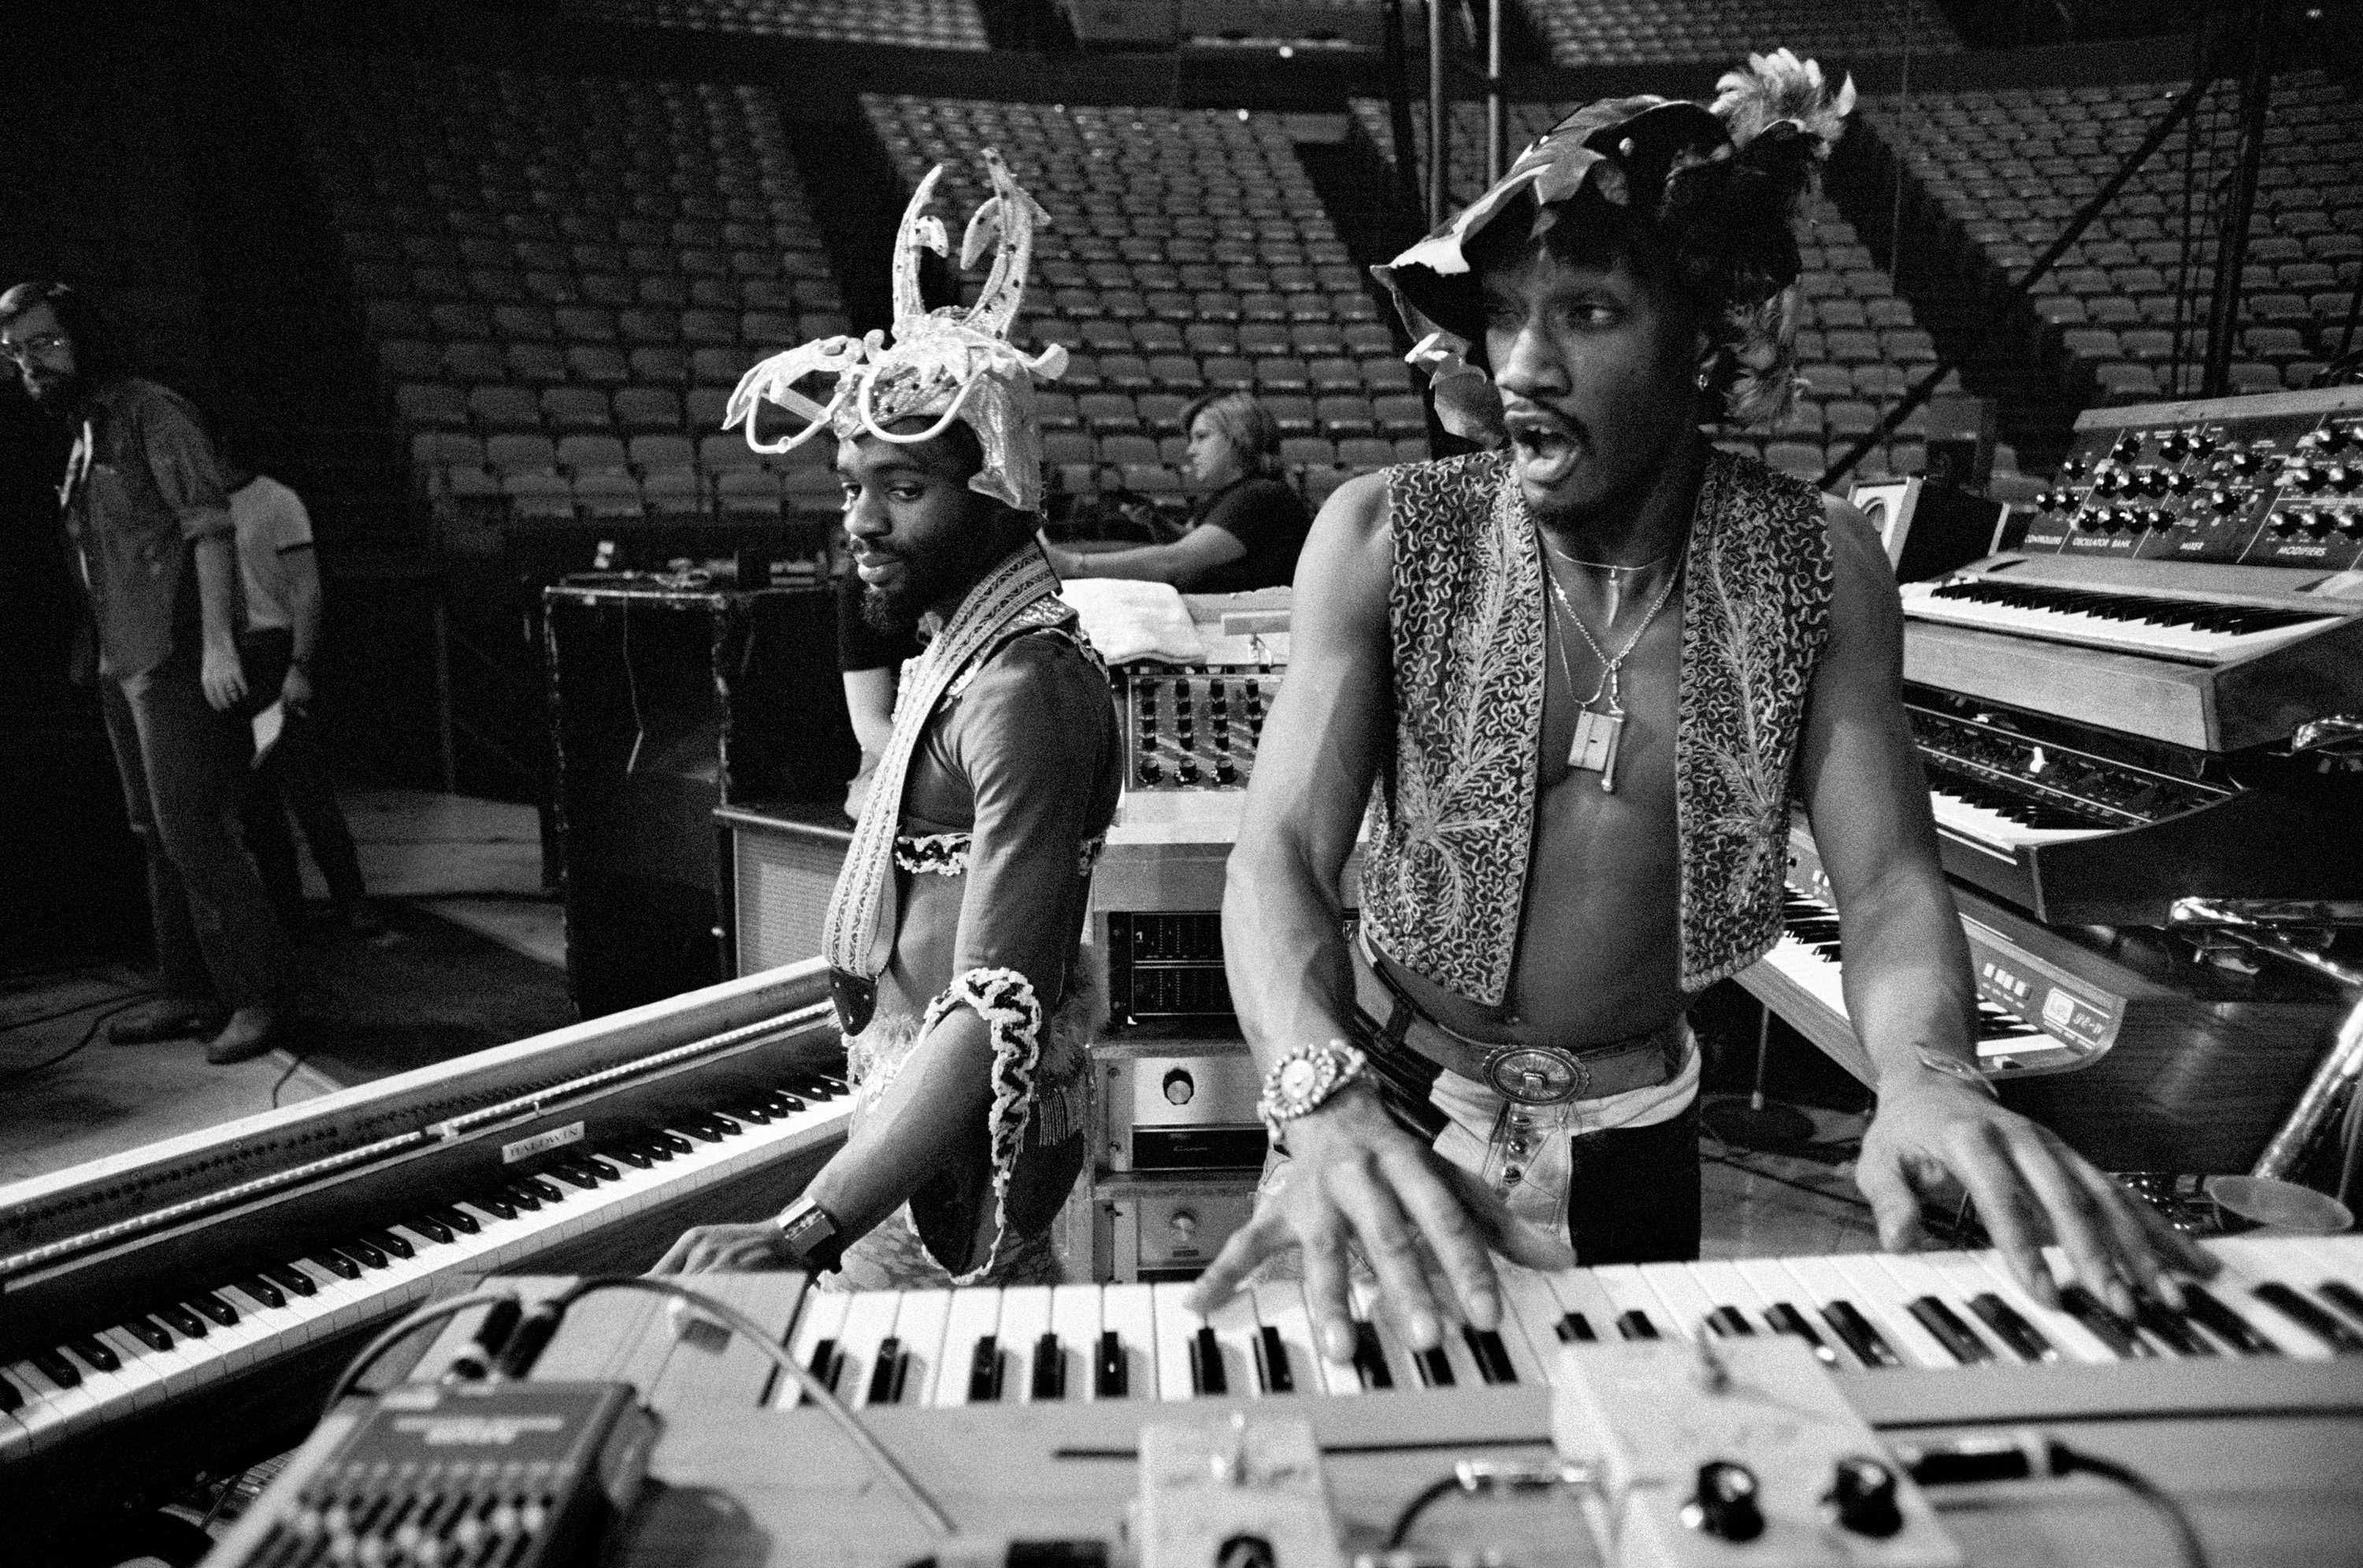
[
  {"x": 953, "y": 935},
  {"x": 1588, "y": 671}
]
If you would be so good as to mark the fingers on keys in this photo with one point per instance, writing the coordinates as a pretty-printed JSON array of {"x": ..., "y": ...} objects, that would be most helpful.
[
  {"x": 720, "y": 1249},
  {"x": 1391, "y": 1238},
  {"x": 2093, "y": 1226},
  {"x": 1267, "y": 1233},
  {"x": 1894, "y": 1204},
  {"x": 2014, "y": 1216},
  {"x": 1326, "y": 1283}
]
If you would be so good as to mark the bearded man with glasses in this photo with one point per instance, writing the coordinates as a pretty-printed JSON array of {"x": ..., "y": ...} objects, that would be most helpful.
[{"x": 154, "y": 553}]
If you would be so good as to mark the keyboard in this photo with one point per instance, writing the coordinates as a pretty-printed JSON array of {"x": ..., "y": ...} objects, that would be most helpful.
[
  {"x": 2140, "y": 1057},
  {"x": 2189, "y": 630},
  {"x": 1997, "y": 820},
  {"x": 1802, "y": 978},
  {"x": 2281, "y": 1299},
  {"x": 224, "y": 1325}
]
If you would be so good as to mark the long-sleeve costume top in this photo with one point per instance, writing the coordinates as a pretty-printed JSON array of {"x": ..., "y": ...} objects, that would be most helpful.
[{"x": 1009, "y": 794}]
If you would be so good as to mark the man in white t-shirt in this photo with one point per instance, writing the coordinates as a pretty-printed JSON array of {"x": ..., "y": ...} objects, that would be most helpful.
[{"x": 280, "y": 577}]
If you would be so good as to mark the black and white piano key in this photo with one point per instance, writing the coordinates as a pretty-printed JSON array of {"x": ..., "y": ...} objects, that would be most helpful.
[
  {"x": 1822, "y": 1291},
  {"x": 1687, "y": 1308},
  {"x": 1024, "y": 1318},
  {"x": 1075, "y": 1324},
  {"x": 1767, "y": 1305},
  {"x": 1528, "y": 1301},
  {"x": 1641, "y": 1313},
  {"x": 1233, "y": 1330},
  {"x": 1582, "y": 1301},
  {"x": 813, "y": 1343},
  {"x": 921, "y": 1323},
  {"x": 1384, "y": 1361},
  {"x": 1870, "y": 1287},
  {"x": 861, "y": 1337},
  {"x": 974, "y": 1319},
  {"x": 1128, "y": 1312},
  {"x": 2295, "y": 1285},
  {"x": 1981, "y": 1284},
  {"x": 1283, "y": 1315}
]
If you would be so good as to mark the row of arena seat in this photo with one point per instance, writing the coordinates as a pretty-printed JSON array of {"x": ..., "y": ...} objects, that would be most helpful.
[
  {"x": 599, "y": 474},
  {"x": 912, "y": 24},
  {"x": 1858, "y": 345},
  {"x": 1994, "y": 176},
  {"x": 586, "y": 260},
  {"x": 1628, "y": 32},
  {"x": 1187, "y": 252}
]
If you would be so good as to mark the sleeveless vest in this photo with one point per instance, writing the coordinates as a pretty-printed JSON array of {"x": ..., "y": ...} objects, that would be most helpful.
[{"x": 1452, "y": 823}]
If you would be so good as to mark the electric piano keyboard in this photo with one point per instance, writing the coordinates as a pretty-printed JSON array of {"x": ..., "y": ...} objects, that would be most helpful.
[
  {"x": 185, "y": 1305},
  {"x": 2125, "y": 1044}
]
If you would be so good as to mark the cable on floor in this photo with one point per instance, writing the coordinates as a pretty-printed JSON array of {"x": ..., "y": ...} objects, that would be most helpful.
[
  {"x": 87, "y": 1036},
  {"x": 114, "y": 993}
]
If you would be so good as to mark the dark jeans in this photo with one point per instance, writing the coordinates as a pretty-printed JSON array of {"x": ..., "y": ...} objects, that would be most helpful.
[
  {"x": 294, "y": 773},
  {"x": 1635, "y": 1194},
  {"x": 183, "y": 766}
]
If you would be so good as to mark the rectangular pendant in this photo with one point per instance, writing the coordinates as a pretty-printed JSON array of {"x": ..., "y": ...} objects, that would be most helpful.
[{"x": 1594, "y": 747}]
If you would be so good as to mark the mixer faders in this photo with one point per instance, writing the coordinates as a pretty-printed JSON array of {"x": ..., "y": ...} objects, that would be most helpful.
[{"x": 1194, "y": 728}]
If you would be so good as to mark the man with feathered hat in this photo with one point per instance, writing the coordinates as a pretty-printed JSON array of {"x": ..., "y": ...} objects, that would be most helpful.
[
  {"x": 953, "y": 933},
  {"x": 1588, "y": 672}
]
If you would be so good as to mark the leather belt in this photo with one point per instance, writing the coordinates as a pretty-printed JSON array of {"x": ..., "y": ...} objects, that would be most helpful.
[{"x": 1528, "y": 1075}]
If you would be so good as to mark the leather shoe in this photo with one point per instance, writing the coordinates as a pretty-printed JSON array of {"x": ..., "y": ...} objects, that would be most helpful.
[
  {"x": 174, "y": 1018},
  {"x": 250, "y": 1033}
]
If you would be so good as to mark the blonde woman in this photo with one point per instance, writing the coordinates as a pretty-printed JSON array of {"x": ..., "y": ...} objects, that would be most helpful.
[{"x": 1251, "y": 526}]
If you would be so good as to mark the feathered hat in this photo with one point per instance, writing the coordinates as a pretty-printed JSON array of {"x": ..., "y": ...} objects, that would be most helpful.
[
  {"x": 951, "y": 363},
  {"x": 1721, "y": 184}
]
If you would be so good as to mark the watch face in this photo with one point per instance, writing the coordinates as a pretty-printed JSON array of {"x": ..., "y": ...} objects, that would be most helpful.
[{"x": 1297, "y": 1080}]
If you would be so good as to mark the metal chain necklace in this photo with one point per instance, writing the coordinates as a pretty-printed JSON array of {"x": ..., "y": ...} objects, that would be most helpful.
[
  {"x": 1598, "y": 733},
  {"x": 1616, "y": 573}
]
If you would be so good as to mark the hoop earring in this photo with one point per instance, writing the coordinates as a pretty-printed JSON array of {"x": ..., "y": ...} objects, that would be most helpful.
[{"x": 1702, "y": 378}]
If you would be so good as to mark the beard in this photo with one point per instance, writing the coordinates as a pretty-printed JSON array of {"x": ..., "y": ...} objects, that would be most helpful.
[
  {"x": 929, "y": 577},
  {"x": 53, "y": 389},
  {"x": 892, "y": 614}
]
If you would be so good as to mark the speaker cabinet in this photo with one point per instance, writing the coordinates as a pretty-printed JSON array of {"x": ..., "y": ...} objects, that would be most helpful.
[
  {"x": 666, "y": 705},
  {"x": 780, "y": 866},
  {"x": 1927, "y": 528}
]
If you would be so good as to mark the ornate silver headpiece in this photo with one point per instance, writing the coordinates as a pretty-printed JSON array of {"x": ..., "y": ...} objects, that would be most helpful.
[{"x": 946, "y": 364}]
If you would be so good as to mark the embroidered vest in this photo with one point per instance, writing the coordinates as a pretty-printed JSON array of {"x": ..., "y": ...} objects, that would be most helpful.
[{"x": 1452, "y": 823}]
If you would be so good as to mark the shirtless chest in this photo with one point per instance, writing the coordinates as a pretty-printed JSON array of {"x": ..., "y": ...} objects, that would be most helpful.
[{"x": 1598, "y": 949}]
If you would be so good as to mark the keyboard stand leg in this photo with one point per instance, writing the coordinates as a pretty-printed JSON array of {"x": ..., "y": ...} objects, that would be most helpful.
[{"x": 1760, "y": 1123}]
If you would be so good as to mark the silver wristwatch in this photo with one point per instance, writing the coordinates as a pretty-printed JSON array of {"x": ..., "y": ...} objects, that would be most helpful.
[
  {"x": 1952, "y": 1067},
  {"x": 1302, "y": 1081},
  {"x": 808, "y": 1232}
]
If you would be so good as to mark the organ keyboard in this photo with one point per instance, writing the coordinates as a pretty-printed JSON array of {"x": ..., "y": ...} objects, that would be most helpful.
[
  {"x": 2244, "y": 1406},
  {"x": 2080, "y": 827},
  {"x": 2122, "y": 1042},
  {"x": 183, "y": 1307},
  {"x": 2278, "y": 1297}
]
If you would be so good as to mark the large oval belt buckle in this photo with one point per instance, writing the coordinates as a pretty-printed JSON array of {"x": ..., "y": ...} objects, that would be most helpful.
[{"x": 1536, "y": 1075}]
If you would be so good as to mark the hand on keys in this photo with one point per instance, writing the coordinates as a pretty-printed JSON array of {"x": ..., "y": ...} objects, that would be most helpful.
[
  {"x": 1428, "y": 1229},
  {"x": 725, "y": 1248}
]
